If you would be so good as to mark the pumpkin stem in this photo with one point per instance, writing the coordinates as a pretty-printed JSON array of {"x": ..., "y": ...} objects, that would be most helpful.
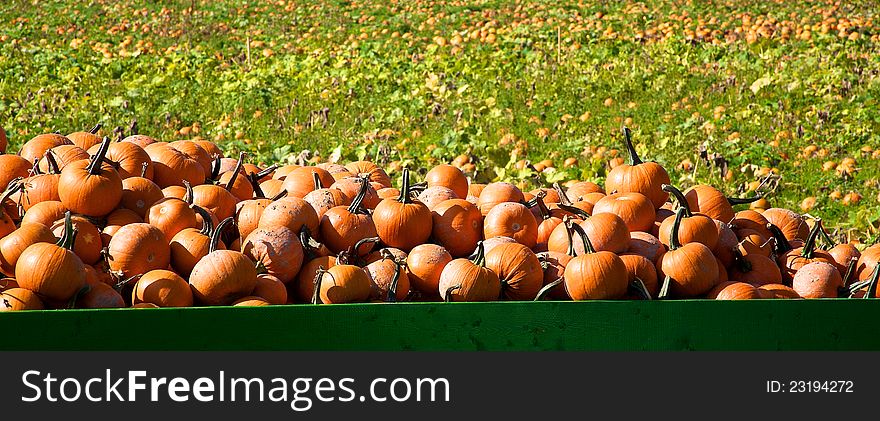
[
  {"x": 448, "y": 295},
  {"x": 679, "y": 197},
  {"x": 236, "y": 171},
  {"x": 781, "y": 245},
  {"x": 310, "y": 245},
  {"x": 355, "y": 250},
  {"x": 215, "y": 237},
  {"x": 810, "y": 245},
  {"x": 674, "y": 241},
  {"x": 828, "y": 239},
  {"x": 278, "y": 196},
  {"x": 744, "y": 201},
  {"x": 638, "y": 288},
  {"x": 317, "y": 180},
  {"x": 588, "y": 245},
  {"x": 68, "y": 234},
  {"x": 574, "y": 210},
  {"x": 850, "y": 270},
  {"x": 14, "y": 186},
  {"x": 568, "y": 233},
  {"x": 215, "y": 167},
  {"x": 405, "y": 188},
  {"x": 627, "y": 140},
  {"x": 255, "y": 185},
  {"x": 872, "y": 285},
  {"x": 742, "y": 264},
  {"x": 392, "y": 290},
  {"x": 144, "y": 169},
  {"x": 35, "y": 168},
  {"x": 94, "y": 130},
  {"x": 52, "y": 163},
  {"x": 664, "y": 288},
  {"x": 355, "y": 206},
  {"x": 94, "y": 167},
  {"x": 563, "y": 198},
  {"x": 542, "y": 207},
  {"x": 542, "y": 293},
  {"x": 189, "y": 197},
  {"x": 479, "y": 258},
  {"x": 207, "y": 220},
  {"x": 418, "y": 187},
  {"x": 269, "y": 170},
  {"x": 316, "y": 293}
]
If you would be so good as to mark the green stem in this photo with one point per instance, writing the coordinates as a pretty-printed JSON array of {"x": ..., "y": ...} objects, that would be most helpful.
[
  {"x": 674, "y": 241},
  {"x": 782, "y": 244},
  {"x": 743, "y": 201},
  {"x": 563, "y": 198},
  {"x": 542, "y": 294},
  {"x": 189, "y": 197},
  {"x": 588, "y": 245},
  {"x": 355, "y": 206},
  {"x": 215, "y": 237},
  {"x": 94, "y": 167},
  {"x": 542, "y": 207},
  {"x": 575, "y": 210},
  {"x": 638, "y": 288},
  {"x": 68, "y": 234},
  {"x": 664, "y": 288},
  {"x": 235, "y": 171},
  {"x": 480, "y": 255},
  {"x": 269, "y": 170},
  {"x": 405, "y": 188},
  {"x": 448, "y": 295},
  {"x": 679, "y": 197},
  {"x": 627, "y": 140},
  {"x": 850, "y": 270},
  {"x": 810, "y": 245}
]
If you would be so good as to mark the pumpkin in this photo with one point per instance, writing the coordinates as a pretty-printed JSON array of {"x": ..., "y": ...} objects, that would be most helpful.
[
  {"x": 688, "y": 270},
  {"x": 753, "y": 268},
  {"x": 137, "y": 249},
  {"x": 518, "y": 269},
  {"x": 636, "y": 210},
  {"x": 496, "y": 193},
  {"x": 341, "y": 284},
  {"x": 172, "y": 167},
  {"x": 190, "y": 245},
  {"x": 87, "y": 244},
  {"x": 432, "y": 196},
  {"x": 52, "y": 271},
  {"x": 292, "y": 213},
  {"x": 641, "y": 269},
  {"x": 754, "y": 243},
  {"x": 469, "y": 280},
  {"x": 843, "y": 254},
  {"x": 282, "y": 171},
  {"x": 270, "y": 289},
  {"x": 793, "y": 260},
  {"x": 594, "y": 275},
  {"x": 777, "y": 291},
  {"x": 163, "y": 288},
  {"x": 140, "y": 140},
  {"x": 370, "y": 171},
  {"x": 299, "y": 182},
  {"x": 694, "y": 227},
  {"x": 791, "y": 224},
  {"x": 58, "y": 157},
  {"x": 172, "y": 215},
  {"x": 99, "y": 295},
  {"x": 7, "y": 222},
  {"x": 514, "y": 220},
  {"x": 12, "y": 167},
  {"x": 302, "y": 289},
  {"x": 388, "y": 278},
  {"x": 35, "y": 148},
  {"x": 554, "y": 269},
  {"x": 86, "y": 140},
  {"x": 341, "y": 227},
  {"x": 578, "y": 191},
  {"x": 222, "y": 276},
  {"x": 547, "y": 220},
  {"x": 324, "y": 199},
  {"x": 13, "y": 244},
  {"x": 19, "y": 299},
  {"x": 129, "y": 160},
  {"x": 195, "y": 152},
  {"x": 711, "y": 202},
  {"x": 607, "y": 232},
  {"x": 646, "y": 245},
  {"x": 351, "y": 186},
  {"x": 338, "y": 171},
  {"x": 276, "y": 250},
  {"x": 249, "y": 212},
  {"x": 250, "y": 301},
  {"x": 425, "y": 264},
  {"x": 817, "y": 279},
  {"x": 638, "y": 176},
  {"x": 144, "y": 305},
  {"x": 218, "y": 199},
  {"x": 45, "y": 213},
  {"x": 139, "y": 195},
  {"x": 210, "y": 147},
  {"x": 450, "y": 177},
  {"x": 237, "y": 181},
  {"x": 750, "y": 220},
  {"x": 493, "y": 242},
  {"x": 734, "y": 291},
  {"x": 91, "y": 187},
  {"x": 403, "y": 223},
  {"x": 457, "y": 226},
  {"x": 867, "y": 261}
]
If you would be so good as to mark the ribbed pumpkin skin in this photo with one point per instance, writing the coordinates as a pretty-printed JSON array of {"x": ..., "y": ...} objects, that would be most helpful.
[
  {"x": 496, "y": 193},
  {"x": 36, "y": 147},
  {"x": 137, "y": 249},
  {"x": 278, "y": 249},
  {"x": 817, "y": 280},
  {"x": 760, "y": 270},
  {"x": 519, "y": 270},
  {"x": 131, "y": 159},
  {"x": 345, "y": 284},
  {"x": 303, "y": 288},
  {"x": 477, "y": 283},
  {"x": 270, "y": 289},
  {"x": 19, "y": 299},
  {"x": 734, "y": 291},
  {"x": 52, "y": 272},
  {"x": 12, "y": 167},
  {"x": 698, "y": 228},
  {"x": 596, "y": 276},
  {"x": 187, "y": 248},
  {"x": 647, "y": 245},
  {"x": 457, "y": 226},
  {"x": 692, "y": 268},
  {"x": 636, "y": 210},
  {"x": 45, "y": 213},
  {"x": 450, "y": 177},
  {"x": 222, "y": 277},
  {"x": 402, "y": 225},
  {"x": 171, "y": 215},
  {"x": 12, "y": 245},
  {"x": 638, "y": 266},
  {"x": 162, "y": 288},
  {"x": 87, "y": 244},
  {"x": 842, "y": 254},
  {"x": 341, "y": 229},
  {"x": 512, "y": 220},
  {"x": 791, "y": 223},
  {"x": 77, "y": 189},
  {"x": 710, "y": 202},
  {"x": 646, "y": 178},
  {"x": 425, "y": 263},
  {"x": 292, "y": 213}
]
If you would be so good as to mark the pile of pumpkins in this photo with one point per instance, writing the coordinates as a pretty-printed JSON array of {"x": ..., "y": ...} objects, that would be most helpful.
[{"x": 87, "y": 222}]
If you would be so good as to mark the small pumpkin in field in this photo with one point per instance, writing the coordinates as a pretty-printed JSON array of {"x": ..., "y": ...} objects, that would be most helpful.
[
  {"x": 163, "y": 288},
  {"x": 222, "y": 276},
  {"x": 91, "y": 188},
  {"x": 713, "y": 203},
  {"x": 403, "y": 223},
  {"x": 52, "y": 271},
  {"x": 342, "y": 284},
  {"x": 514, "y": 220},
  {"x": 638, "y": 176},
  {"x": 457, "y": 226},
  {"x": 469, "y": 280},
  {"x": 688, "y": 270},
  {"x": 595, "y": 275},
  {"x": 518, "y": 269}
]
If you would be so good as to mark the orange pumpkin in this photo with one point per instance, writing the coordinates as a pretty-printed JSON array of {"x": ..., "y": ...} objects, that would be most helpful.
[
  {"x": 817, "y": 279},
  {"x": 82, "y": 182},
  {"x": 341, "y": 227},
  {"x": 52, "y": 271},
  {"x": 87, "y": 244},
  {"x": 450, "y": 177},
  {"x": 496, "y": 193},
  {"x": 388, "y": 278},
  {"x": 12, "y": 245},
  {"x": 595, "y": 275},
  {"x": 190, "y": 245},
  {"x": 514, "y": 220},
  {"x": 35, "y": 148},
  {"x": 457, "y": 226},
  {"x": 694, "y": 227},
  {"x": 403, "y": 223},
  {"x": 342, "y": 284},
  {"x": 466, "y": 280},
  {"x": 734, "y": 291},
  {"x": 372, "y": 172},
  {"x": 636, "y": 210},
  {"x": 19, "y": 299},
  {"x": 276, "y": 250},
  {"x": 163, "y": 288},
  {"x": 793, "y": 260},
  {"x": 223, "y": 276},
  {"x": 86, "y": 140},
  {"x": 688, "y": 270},
  {"x": 270, "y": 289},
  {"x": 638, "y": 176},
  {"x": 137, "y": 249},
  {"x": 425, "y": 264},
  {"x": 518, "y": 269}
]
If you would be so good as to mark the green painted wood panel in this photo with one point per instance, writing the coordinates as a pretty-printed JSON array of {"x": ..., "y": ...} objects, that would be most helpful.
[{"x": 507, "y": 326}]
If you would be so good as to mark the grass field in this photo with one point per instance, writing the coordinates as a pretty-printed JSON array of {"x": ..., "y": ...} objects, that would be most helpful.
[{"x": 784, "y": 88}]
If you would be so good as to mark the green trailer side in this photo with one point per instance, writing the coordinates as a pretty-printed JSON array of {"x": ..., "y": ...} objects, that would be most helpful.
[{"x": 504, "y": 326}]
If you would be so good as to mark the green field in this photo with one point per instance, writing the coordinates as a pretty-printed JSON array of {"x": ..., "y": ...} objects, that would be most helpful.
[{"x": 414, "y": 83}]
